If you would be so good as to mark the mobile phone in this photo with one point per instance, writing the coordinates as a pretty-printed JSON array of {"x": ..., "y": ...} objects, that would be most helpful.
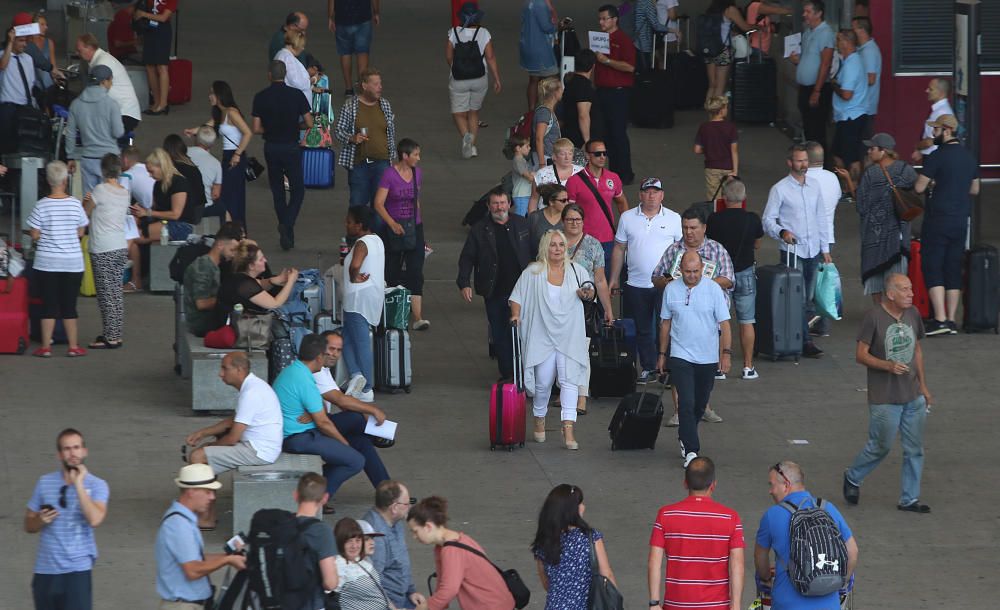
[
  {"x": 46, "y": 507},
  {"x": 235, "y": 545}
]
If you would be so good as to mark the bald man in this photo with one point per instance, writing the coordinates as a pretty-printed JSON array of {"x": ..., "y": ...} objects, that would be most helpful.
[
  {"x": 693, "y": 313},
  {"x": 250, "y": 437},
  {"x": 898, "y": 398}
]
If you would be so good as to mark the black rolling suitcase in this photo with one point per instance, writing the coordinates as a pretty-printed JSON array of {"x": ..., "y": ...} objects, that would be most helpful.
[
  {"x": 755, "y": 91},
  {"x": 687, "y": 75},
  {"x": 652, "y": 98},
  {"x": 780, "y": 308},
  {"x": 636, "y": 422},
  {"x": 982, "y": 290},
  {"x": 612, "y": 364}
]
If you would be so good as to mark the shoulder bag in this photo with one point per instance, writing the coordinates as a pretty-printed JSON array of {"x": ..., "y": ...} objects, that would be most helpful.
[
  {"x": 908, "y": 204},
  {"x": 603, "y": 593},
  {"x": 606, "y": 208},
  {"x": 518, "y": 590},
  {"x": 255, "y": 169},
  {"x": 593, "y": 313},
  {"x": 408, "y": 240}
]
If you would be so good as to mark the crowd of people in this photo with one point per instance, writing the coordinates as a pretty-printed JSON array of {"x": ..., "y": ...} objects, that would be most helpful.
[{"x": 565, "y": 237}]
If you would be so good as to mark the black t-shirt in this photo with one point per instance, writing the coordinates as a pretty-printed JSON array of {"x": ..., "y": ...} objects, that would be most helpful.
[
  {"x": 161, "y": 199},
  {"x": 351, "y": 12},
  {"x": 196, "y": 192},
  {"x": 952, "y": 168},
  {"x": 240, "y": 288},
  {"x": 507, "y": 268},
  {"x": 279, "y": 107},
  {"x": 580, "y": 89},
  {"x": 736, "y": 229}
]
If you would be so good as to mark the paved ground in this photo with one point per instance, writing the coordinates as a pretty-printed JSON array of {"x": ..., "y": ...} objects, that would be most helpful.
[{"x": 132, "y": 409}]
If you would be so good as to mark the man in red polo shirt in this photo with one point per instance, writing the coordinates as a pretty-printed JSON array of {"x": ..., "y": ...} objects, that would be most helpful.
[
  {"x": 614, "y": 76},
  {"x": 598, "y": 217},
  {"x": 703, "y": 542}
]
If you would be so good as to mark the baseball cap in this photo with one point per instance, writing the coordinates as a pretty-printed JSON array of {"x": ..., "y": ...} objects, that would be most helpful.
[
  {"x": 651, "y": 183},
  {"x": 881, "y": 140},
  {"x": 945, "y": 120},
  {"x": 367, "y": 529},
  {"x": 197, "y": 476},
  {"x": 22, "y": 19},
  {"x": 98, "y": 74}
]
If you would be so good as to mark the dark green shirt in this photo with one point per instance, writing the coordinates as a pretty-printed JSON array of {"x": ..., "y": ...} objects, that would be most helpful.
[{"x": 201, "y": 281}]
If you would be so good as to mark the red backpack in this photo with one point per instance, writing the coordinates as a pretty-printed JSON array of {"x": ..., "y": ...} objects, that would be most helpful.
[{"x": 523, "y": 126}]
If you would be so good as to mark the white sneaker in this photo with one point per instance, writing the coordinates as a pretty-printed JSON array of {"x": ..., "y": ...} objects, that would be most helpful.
[
  {"x": 689, "y": 457},
  {"x": 750, "y": 373},
  {"x": 368, "y": 396},
  {"x": 421, "y": 325},
  {"x": 467, "y": 146},
  {"x": 720, "y": 375},
  {"x": 473, "y": 151},
  {"x": 355, "y": 385},
  {"x": 711, "y": 417},
  {"x": 674, "y": 421}
]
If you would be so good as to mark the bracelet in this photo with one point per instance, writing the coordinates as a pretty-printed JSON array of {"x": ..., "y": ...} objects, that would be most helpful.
[
  {"x": 662, "y": 353},
  {"x": 727, "y": 352}
]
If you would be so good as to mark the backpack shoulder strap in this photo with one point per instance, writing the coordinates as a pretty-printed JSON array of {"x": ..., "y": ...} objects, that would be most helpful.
[{"x": 785, "y": 504}]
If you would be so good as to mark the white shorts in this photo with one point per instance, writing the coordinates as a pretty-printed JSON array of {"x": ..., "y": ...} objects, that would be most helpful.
[
  {"x": 222, "y": 458},
  {"x": 467, "y": 95}
]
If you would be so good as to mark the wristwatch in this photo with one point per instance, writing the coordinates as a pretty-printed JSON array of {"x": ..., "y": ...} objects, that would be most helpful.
[{"x": 653, "y": 603}]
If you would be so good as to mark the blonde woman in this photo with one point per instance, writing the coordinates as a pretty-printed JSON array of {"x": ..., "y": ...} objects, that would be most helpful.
[
  {"x": 562, "y": 169},
  {"x": 545, "y": 131},
  {"x": 296, "y": 75},
  {"x": 547, "y": 305},
  {"x": 170, "y": 210}
]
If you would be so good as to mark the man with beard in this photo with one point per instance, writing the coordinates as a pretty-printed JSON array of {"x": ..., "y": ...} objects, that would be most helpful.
[
  {"x": 65, "y": 508},
  {"x": 497, "y": 250}
]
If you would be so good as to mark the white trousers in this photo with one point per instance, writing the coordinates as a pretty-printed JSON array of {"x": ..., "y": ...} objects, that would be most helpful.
[{"x": 545, "y": 375}]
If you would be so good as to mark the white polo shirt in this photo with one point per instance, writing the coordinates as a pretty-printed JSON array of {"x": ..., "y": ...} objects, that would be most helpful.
[
  {"x": 647, "y": 239},
  {"x": 325, "y": 383},
  {"x": 259, "y": 409}
]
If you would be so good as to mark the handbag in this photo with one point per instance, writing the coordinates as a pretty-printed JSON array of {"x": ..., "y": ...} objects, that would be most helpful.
[
  {"x": 593, "y": 312},
  {"x": 604, "y": 595},
  {"x": 908, "y": 203},
  {"x": 255, "y": 169},
  {"x": 518, "y": 590},
  {"x": 253, "y": 332},
  {"x": 408, "y": 240}
]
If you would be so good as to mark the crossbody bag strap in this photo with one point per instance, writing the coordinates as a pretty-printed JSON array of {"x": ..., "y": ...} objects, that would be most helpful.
[
  {"x": 600, "y": 200},
  {"x": 474, "y": 552},
  {"x": 377, "y": 584}
]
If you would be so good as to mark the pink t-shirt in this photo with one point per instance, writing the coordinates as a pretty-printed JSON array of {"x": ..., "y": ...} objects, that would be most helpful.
[
  {"x": 470, "y": 579},
  {"x": 595, "y": 221},
  {"x": 401, "y": 200}
]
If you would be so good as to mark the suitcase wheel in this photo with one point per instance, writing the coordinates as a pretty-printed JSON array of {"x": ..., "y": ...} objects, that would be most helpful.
[
  {"x": 493, "y": 447},
  {"x": 22, "y": 346},
  {"x": 407, "y": 389},
  {"x": 521, "y": 445}
]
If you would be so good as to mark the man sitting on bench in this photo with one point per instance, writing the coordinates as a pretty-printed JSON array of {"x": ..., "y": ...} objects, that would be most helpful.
[{"x": 202, "y": 280}]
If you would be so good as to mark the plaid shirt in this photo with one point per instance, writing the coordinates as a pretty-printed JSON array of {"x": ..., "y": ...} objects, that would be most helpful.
[
  {"x": 346, "y": 129},
  {"x": 710, "y": 250}
]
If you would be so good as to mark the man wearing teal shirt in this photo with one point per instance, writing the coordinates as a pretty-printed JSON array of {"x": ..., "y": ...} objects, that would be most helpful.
[
  {"x": 812, "y": 70},
  {"x": 306, "y": 427},
  {"x": 850, "y": 88}
]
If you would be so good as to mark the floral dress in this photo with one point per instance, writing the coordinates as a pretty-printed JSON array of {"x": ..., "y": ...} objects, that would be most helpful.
[{"x": 569, "y": 580}]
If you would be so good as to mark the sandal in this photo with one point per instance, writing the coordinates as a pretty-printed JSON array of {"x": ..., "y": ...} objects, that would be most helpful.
[
  {"x": 130, "y": 287},
  {"x": 101, "y": 343}
]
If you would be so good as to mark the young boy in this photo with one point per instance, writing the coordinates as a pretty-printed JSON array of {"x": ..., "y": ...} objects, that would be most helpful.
[{"x": 717, "y": 140}]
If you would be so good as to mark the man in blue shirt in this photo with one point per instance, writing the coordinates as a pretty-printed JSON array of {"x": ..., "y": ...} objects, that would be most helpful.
[
  {"x": 306, "y": 427},
  {"x": 872, "y": 57},
  {"x": 65, "y": 507},
  {"x": 391, "y": 557},
  {"x": 812, "y": 70},
  {"x": 693, "y": 313},
  {"x": 786, "y": 482},
  {"x": 850, "y": 104},
  {"x": 182, "y": 567}
]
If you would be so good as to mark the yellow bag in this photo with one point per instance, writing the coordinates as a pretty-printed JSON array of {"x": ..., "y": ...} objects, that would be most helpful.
[{"x": 87, "y": 288}]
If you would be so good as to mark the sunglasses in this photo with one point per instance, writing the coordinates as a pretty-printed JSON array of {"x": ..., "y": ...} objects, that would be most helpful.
[
  {"x": 599, "y": 153},
  {"x": 777, "y": 468},
  {"x": 62, "y": 496},
  {"x": 562, "y": 200}
]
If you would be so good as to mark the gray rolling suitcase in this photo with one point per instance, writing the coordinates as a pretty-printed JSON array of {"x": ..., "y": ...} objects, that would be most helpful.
[
  {"x": 392, "y": 360},
  {"x": 780, "y": 307}
]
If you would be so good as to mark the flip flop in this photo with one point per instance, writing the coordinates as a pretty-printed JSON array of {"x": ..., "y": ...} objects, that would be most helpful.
[
  {"x": 101, "y": 343},
  {"x": 130, "y": 287}
]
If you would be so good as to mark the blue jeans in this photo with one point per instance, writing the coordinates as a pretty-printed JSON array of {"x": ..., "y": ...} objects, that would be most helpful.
[
  {"x": 285, "y": 160},
  {"x": 58, "y": 591},
  {"x": 363, "y": 181},
  {"x": 90, "y": 167},
  {"x": 694, "y": 383},
  {"x": 358, "y": 355},
  {"x": 643, "y": 306},
  {"x": 354, "y": 39},
  {"x": 808, "y": 266},
  {"x": 883, "y": 422},
  {"x": 340, "y": 462},
  {"x": 352, "y": 425}
]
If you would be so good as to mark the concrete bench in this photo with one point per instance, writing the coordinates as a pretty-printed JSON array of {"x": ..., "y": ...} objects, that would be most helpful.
[
  {"x": 159, "y": 266},
  {"x": 270, "y": 486},
  {"x": 200, "y": 365}
]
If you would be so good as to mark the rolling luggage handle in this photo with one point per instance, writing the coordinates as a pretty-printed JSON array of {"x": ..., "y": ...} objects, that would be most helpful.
[
  {"x": 791, "y": 257},
  {"x": 518, "y": 363}
]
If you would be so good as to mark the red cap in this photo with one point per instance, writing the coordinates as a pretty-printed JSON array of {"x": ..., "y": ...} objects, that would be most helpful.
[{"x": 22, "y": 19}]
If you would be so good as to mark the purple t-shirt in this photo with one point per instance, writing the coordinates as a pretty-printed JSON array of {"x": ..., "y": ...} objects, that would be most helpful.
[{"x": 401, "y": 201}]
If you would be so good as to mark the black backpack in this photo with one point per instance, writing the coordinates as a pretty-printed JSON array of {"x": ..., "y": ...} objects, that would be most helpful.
[
  {"x": 467, "y": 62},
  {"x": 708, "y": 28},
  {"x": 817, "y": 555},
  {"x": 185, "y": 256},
  {"x": 282, "y": 570}
]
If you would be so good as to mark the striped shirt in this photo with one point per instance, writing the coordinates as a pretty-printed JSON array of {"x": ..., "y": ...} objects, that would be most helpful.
[
  {"x": 58, "y": 249},
  {"x": 697, "y": 535},
  {"x": 67, "y": 544}
]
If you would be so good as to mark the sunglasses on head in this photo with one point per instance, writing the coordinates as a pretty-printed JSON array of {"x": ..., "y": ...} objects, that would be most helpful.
[{"x": 777, "y": 468}]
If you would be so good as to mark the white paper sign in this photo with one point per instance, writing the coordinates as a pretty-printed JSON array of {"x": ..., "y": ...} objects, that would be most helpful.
[
  {"x": 793, "y": 44},
  {"x": 600, "y": 42},
  {"x": 31, "y": 29},
  {"x": 387, "y": 430}
]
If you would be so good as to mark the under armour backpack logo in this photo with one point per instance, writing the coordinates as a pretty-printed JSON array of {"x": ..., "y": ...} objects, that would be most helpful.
[{"x": 823, "y": 563}]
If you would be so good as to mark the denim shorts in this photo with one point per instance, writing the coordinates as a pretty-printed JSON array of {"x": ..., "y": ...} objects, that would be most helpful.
[
  {"x": 354, "y": 39},
  {"x": 745, "y": 296}
]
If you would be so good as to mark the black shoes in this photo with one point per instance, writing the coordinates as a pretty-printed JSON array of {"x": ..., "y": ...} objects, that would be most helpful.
[
  {"x": 286, "y": 237},
  {"x": 935, "y": 327},
  {"x": 915, "y": 507},
  {"x": 809, "y": 350},
  {"x": 852, "y": 493}
]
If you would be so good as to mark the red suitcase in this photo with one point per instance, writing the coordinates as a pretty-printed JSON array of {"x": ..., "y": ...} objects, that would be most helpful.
[
  {"x": 14, "y": 328},
  {"x": 921, "y": 300},
  {"x": 507, "y": 406},
  {"x": 181, "y": 74}
]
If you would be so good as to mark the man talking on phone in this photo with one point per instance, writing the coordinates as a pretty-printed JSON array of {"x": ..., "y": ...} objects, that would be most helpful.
[{"x": 65, "y": 508}]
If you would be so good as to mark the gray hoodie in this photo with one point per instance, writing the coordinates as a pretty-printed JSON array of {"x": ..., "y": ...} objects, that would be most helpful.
[{"x": 98, "y": 118}]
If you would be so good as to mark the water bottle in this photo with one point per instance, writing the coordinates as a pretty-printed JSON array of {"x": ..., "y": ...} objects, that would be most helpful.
[
  {"x": 344, "y": 249},
  {"x": 164, "y": 235},
  {"x": 236, "y": 315}
]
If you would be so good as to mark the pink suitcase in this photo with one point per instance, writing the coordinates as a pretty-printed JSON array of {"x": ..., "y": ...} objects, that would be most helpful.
[{"x": 507, "y": 406}]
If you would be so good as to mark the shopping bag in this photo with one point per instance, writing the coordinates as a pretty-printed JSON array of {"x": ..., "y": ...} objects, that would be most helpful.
[
  {"x": 397, "y": 308},
  {"x": 828, "y": 297},
  {"x": 87, "y": 287}
]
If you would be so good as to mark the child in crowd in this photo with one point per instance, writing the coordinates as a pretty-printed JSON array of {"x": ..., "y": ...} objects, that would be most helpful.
[
  {"x": 518, "y": 150},
  {"x": 320, "y": 88},
  {"x": 717, "y": 140}
]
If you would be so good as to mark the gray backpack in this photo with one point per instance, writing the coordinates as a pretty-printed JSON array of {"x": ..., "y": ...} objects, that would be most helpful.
[{"x": 817, "y": 555}]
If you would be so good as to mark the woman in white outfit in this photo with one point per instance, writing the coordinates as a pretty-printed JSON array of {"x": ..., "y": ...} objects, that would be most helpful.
[
  {"x": 547, "y": 306},
  {"x": 364, "y": 298},
  {"x": 296, "y": 75}
]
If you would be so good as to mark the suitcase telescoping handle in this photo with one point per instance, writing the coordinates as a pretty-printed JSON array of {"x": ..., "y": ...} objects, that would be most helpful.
[
  {"x": 661, "y": 379},
  {"x": 791, "y": 258},
  {"x": 518, "y": 364}
]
